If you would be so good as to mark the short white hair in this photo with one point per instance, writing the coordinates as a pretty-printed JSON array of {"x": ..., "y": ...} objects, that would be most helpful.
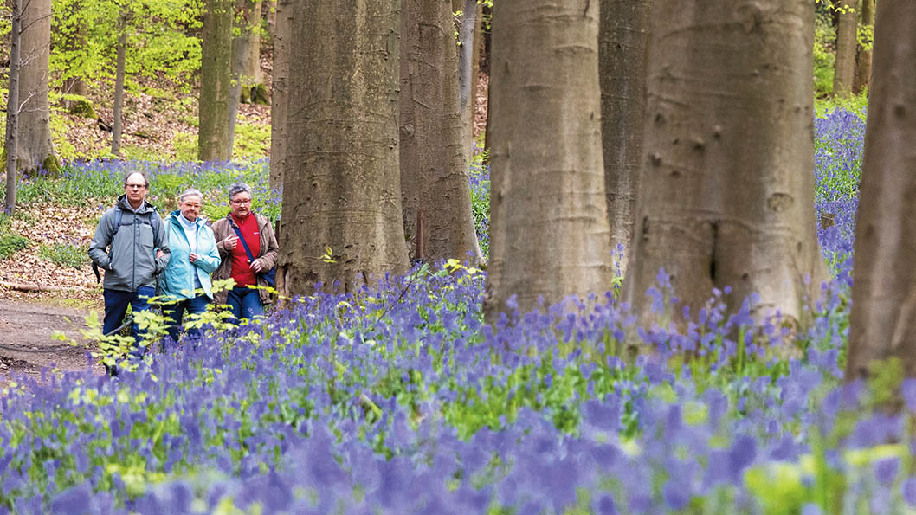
[{"x": 191, "y": 193}]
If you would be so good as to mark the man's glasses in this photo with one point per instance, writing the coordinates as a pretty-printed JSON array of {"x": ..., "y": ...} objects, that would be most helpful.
[{"x": 240, "y": 202}]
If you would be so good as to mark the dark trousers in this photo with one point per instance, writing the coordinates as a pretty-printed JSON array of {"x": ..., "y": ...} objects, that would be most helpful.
[
  {"x": 244, "y": 302},
  {"x": 116, "y": 303},
  {"x": 174, "y": 314}
]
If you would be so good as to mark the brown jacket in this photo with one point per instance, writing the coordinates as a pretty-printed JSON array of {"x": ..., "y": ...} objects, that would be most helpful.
[{"x": 267, "y": 256}]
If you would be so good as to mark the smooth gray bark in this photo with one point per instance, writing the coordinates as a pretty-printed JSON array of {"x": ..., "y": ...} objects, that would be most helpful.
[
  {"x": 435, "y": 189},
  {"x": 341, "y": 184},
  {"x": 727, "y": 196},
  {"x": 883, "y": 315},
  {"x": 548, "y": 214}
]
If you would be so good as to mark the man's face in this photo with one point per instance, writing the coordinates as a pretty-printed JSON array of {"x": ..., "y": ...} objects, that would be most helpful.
[
  {"x": 135, "y": 188},
  {"x": 190, "y": 207},
  {"x": 241, "y": 204}
]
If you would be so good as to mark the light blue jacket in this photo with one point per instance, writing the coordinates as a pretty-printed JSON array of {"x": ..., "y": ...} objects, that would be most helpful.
[{"x": 177, "y": 280}]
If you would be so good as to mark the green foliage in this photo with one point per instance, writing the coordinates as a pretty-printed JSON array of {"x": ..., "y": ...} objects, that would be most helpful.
[
  {"x": 824, "y": 40},
  {"x": 852, "y": 103},
  {"x": 185, "y": 146},
  {"x": 162, "y": 41},
  {"x": 11, "y": 243},
  {"x": 251, "y": 141},
  {"x": 64, "y": 254}
]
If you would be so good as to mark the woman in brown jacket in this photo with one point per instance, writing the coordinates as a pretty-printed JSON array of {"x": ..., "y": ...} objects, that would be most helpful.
[{"x": 257, "y": 233}]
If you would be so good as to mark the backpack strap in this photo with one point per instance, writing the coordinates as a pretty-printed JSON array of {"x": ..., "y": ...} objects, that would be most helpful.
[
  {"x": 241, "y": 238},
  {"x": 153, "y": 221}
]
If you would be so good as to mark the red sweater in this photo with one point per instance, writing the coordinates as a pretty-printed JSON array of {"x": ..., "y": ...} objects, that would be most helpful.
[{"x": 241, "y": 272}]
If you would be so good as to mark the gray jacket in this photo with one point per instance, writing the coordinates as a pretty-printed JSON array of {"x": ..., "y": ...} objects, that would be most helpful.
[{"x": 129, "y": 258}]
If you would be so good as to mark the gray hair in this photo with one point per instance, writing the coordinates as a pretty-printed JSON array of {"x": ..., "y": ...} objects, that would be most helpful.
[
  {"x": 191, "y": 192},
  {"x": 141, "y": 174},
  {"x": 237, "y": 188}
]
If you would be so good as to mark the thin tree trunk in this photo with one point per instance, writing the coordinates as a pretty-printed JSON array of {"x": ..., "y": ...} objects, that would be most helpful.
[
  {"x": 272, "y": 20},
  {"x": 279, "y": 99},
  {"x": 34, "y": 147},
  {"x": 548, "y": 224},
  {"x": 341, "y": 187},
  {"x": 253, "y": 61},
  {"x": 119, "y": 85},
  {"x": 467, "y": 78},
  {"x": 214, "y": 142},
  {"x": 434, "y": 165},
  {"x": 727, "y": 195},
  {"x": 863, "y": 63},
  {"x": 623, "y": 42},
  {"x": 12, "y": 108},
  {"x": 883, "y": 316},
  {"x": 845, "y": 64}
]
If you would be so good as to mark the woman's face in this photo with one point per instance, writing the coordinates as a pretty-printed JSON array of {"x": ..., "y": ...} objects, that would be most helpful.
[
  {"x": 240, "y": 204},
  {"x": 190, "y": 207}
]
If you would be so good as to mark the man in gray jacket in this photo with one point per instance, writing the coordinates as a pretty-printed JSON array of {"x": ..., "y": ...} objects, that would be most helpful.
[{"x": 131, "y": 245}]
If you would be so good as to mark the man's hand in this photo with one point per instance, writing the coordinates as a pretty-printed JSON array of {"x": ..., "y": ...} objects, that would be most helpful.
[
  {"x": 193, "y": 257},
  {"x": 255, "y": 266},
  {"x": 159, "y": 253},
  {"x": 231, "y": 242}
]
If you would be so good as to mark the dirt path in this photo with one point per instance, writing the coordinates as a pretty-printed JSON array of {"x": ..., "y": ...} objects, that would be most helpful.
[{"x": 26, "y": 338}]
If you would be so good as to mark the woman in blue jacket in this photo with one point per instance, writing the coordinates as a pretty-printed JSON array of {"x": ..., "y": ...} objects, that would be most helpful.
[{"x": 185, "y": 282}]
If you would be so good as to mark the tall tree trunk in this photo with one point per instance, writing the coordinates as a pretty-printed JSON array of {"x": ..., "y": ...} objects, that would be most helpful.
[
  {"x": 279, "y": 98},
  {"x": 246, "y": 50},
  {"x": 272, "y": 20},
  {"x": 120, "y": 73},
  {"x": 863, "y": 62},
  {"x": 883, "y": 317},
  {"x": 253, "y": 61},
  {"x": 341, "y": 186},
  {"x": 548, "y": 224},
  {"x": 12, "y": 107},
  {"x": 434, "y": 164},
  {"x": 214, "y": 140},
  {"x": 845, "y": 64},
  {"x": 34, "y": 147},
  {"x": 727, "y": 194},
  {"x": 623, "y": 42},
  {"x": 76, "y": 43},
  {"x": 467, "y": 69}
]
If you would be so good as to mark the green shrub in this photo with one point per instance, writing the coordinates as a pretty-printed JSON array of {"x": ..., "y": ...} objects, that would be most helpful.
[
  {"x": 64, "y": 254},
  {"x": 12, "y": 243},
  {"x": 185, "y": 146},
  {"x": 251, "y": 141}
]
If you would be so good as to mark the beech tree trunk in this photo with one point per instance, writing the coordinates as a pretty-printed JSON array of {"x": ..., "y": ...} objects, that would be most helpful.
[
  {"x": 727, "y": 196},
  {"x": 12, "y": 107},
  {"x": 623, "y": 41},
  {"x": 279, "y": 98},
  {"x": 548, "y": 214},
  {"x": 467, "y": 69},
  {"x": 883, "y": 316},
  {"x": 116, "y": 126},
  {"x": 214, "y": 141},
  {"x": 863, "y": 62},
  {"x": 434, "y": 165},
  {"x": 341, "y": 185},
  {"x": 845, "y": 64},
  {"x": 34, "y": 149}
]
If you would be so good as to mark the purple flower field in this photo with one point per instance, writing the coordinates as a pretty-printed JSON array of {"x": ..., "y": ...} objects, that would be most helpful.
[{"x": 400, "y": 400}]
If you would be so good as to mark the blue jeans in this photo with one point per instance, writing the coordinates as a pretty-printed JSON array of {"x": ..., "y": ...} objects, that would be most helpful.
[
  {"x": 116, "y": 303},
  {"x": 244, "y": 302},
  {"x": 174, "y": 314}
]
